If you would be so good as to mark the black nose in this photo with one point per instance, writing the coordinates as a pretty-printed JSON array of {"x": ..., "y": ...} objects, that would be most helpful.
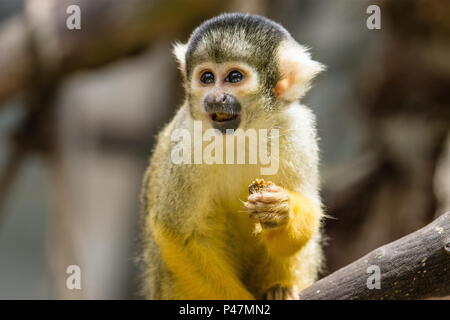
[
  {"x": 224, "y": 102},
  {"x": 224, "y": 110}
]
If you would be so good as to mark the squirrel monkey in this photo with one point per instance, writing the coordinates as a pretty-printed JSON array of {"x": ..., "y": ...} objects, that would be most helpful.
[{"x": 205, "y": 236}]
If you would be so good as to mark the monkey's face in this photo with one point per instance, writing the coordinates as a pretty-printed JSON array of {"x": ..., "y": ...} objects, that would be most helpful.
[
  {"x": 222, "y": 93},
  {"x": 241, "y": 70}
]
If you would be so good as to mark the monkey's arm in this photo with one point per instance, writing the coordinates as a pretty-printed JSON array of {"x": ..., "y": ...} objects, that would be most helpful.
[
  {"x": 289, "y": 219},
  {"x": 199, "y": 269},
  {"x": 303, "y": 222}
]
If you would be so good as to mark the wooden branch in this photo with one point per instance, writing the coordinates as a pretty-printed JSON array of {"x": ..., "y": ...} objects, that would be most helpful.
[
  {"x": 416, "y": 266},
  {"x": 110, "y": 29}
]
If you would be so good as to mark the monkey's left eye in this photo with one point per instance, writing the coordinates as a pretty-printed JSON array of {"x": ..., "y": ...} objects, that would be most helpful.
[
  {"x": 207, "y": 77},
  {"x": 234, "y": 76}
]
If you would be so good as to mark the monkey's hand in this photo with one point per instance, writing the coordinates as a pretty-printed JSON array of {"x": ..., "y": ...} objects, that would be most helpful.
[
  {"x": 288, "y": 219},
  {"x": 269, "y": 207}
]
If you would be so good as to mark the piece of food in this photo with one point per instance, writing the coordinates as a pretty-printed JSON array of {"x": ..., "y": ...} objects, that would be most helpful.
[{"x": 259, "y": 185}]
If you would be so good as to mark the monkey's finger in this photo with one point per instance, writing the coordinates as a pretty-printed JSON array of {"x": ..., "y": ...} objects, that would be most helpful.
[
  {"x": 271, "y": 197},
  {"x": 279, "y": 292},
  {"x": 268, "y": 197},
  {"x": 270, "y": 208},
  {"x": 273, "y": 188},
  {"x": 253, "y": 198},
  {"x": 250, "y": 206},
  {"x": 271, "y": 219}
]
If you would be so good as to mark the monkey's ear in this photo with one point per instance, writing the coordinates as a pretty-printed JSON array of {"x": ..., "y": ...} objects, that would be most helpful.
[
  {"x": 297, "y": 71},
  {"x": 179, "y": 51}
]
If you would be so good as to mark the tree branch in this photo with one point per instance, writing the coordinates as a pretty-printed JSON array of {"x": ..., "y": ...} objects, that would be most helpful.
[
  {"x": 110, "y": 29},
  {"x": 416, "y": 266}
]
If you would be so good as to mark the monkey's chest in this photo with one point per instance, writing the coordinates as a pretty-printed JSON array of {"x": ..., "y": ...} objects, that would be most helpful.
[{"x": 241, "y": 243}]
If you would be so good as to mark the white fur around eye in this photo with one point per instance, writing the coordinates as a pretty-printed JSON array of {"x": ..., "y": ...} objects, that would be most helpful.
[{"x": 297, "y": 70}]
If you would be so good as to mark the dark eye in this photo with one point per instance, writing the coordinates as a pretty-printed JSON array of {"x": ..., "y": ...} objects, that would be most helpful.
[
  {"x": 207, "y": 77},
  {"x": 234, "y": 76}
]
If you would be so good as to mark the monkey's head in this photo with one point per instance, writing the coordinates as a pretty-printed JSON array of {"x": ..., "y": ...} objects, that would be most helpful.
[{"x": 239, "y": 69}]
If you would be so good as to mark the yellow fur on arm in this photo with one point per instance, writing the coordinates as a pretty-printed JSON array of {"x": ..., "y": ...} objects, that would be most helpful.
[
  {"x": 198, "y": 271},
  {"x": 304, "y": 222}
]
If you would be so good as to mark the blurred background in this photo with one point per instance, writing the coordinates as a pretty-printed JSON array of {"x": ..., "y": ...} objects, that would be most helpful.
[{"x": 79, "y": 110}]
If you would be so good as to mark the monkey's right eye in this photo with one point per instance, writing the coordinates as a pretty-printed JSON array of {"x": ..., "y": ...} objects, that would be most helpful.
[{"x": 207, "y": 77}]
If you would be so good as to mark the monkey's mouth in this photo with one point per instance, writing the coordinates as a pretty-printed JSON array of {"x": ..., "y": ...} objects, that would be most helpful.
[
  {"x": 224, "y": 120},
  {"x": 222, "y": 116}
]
